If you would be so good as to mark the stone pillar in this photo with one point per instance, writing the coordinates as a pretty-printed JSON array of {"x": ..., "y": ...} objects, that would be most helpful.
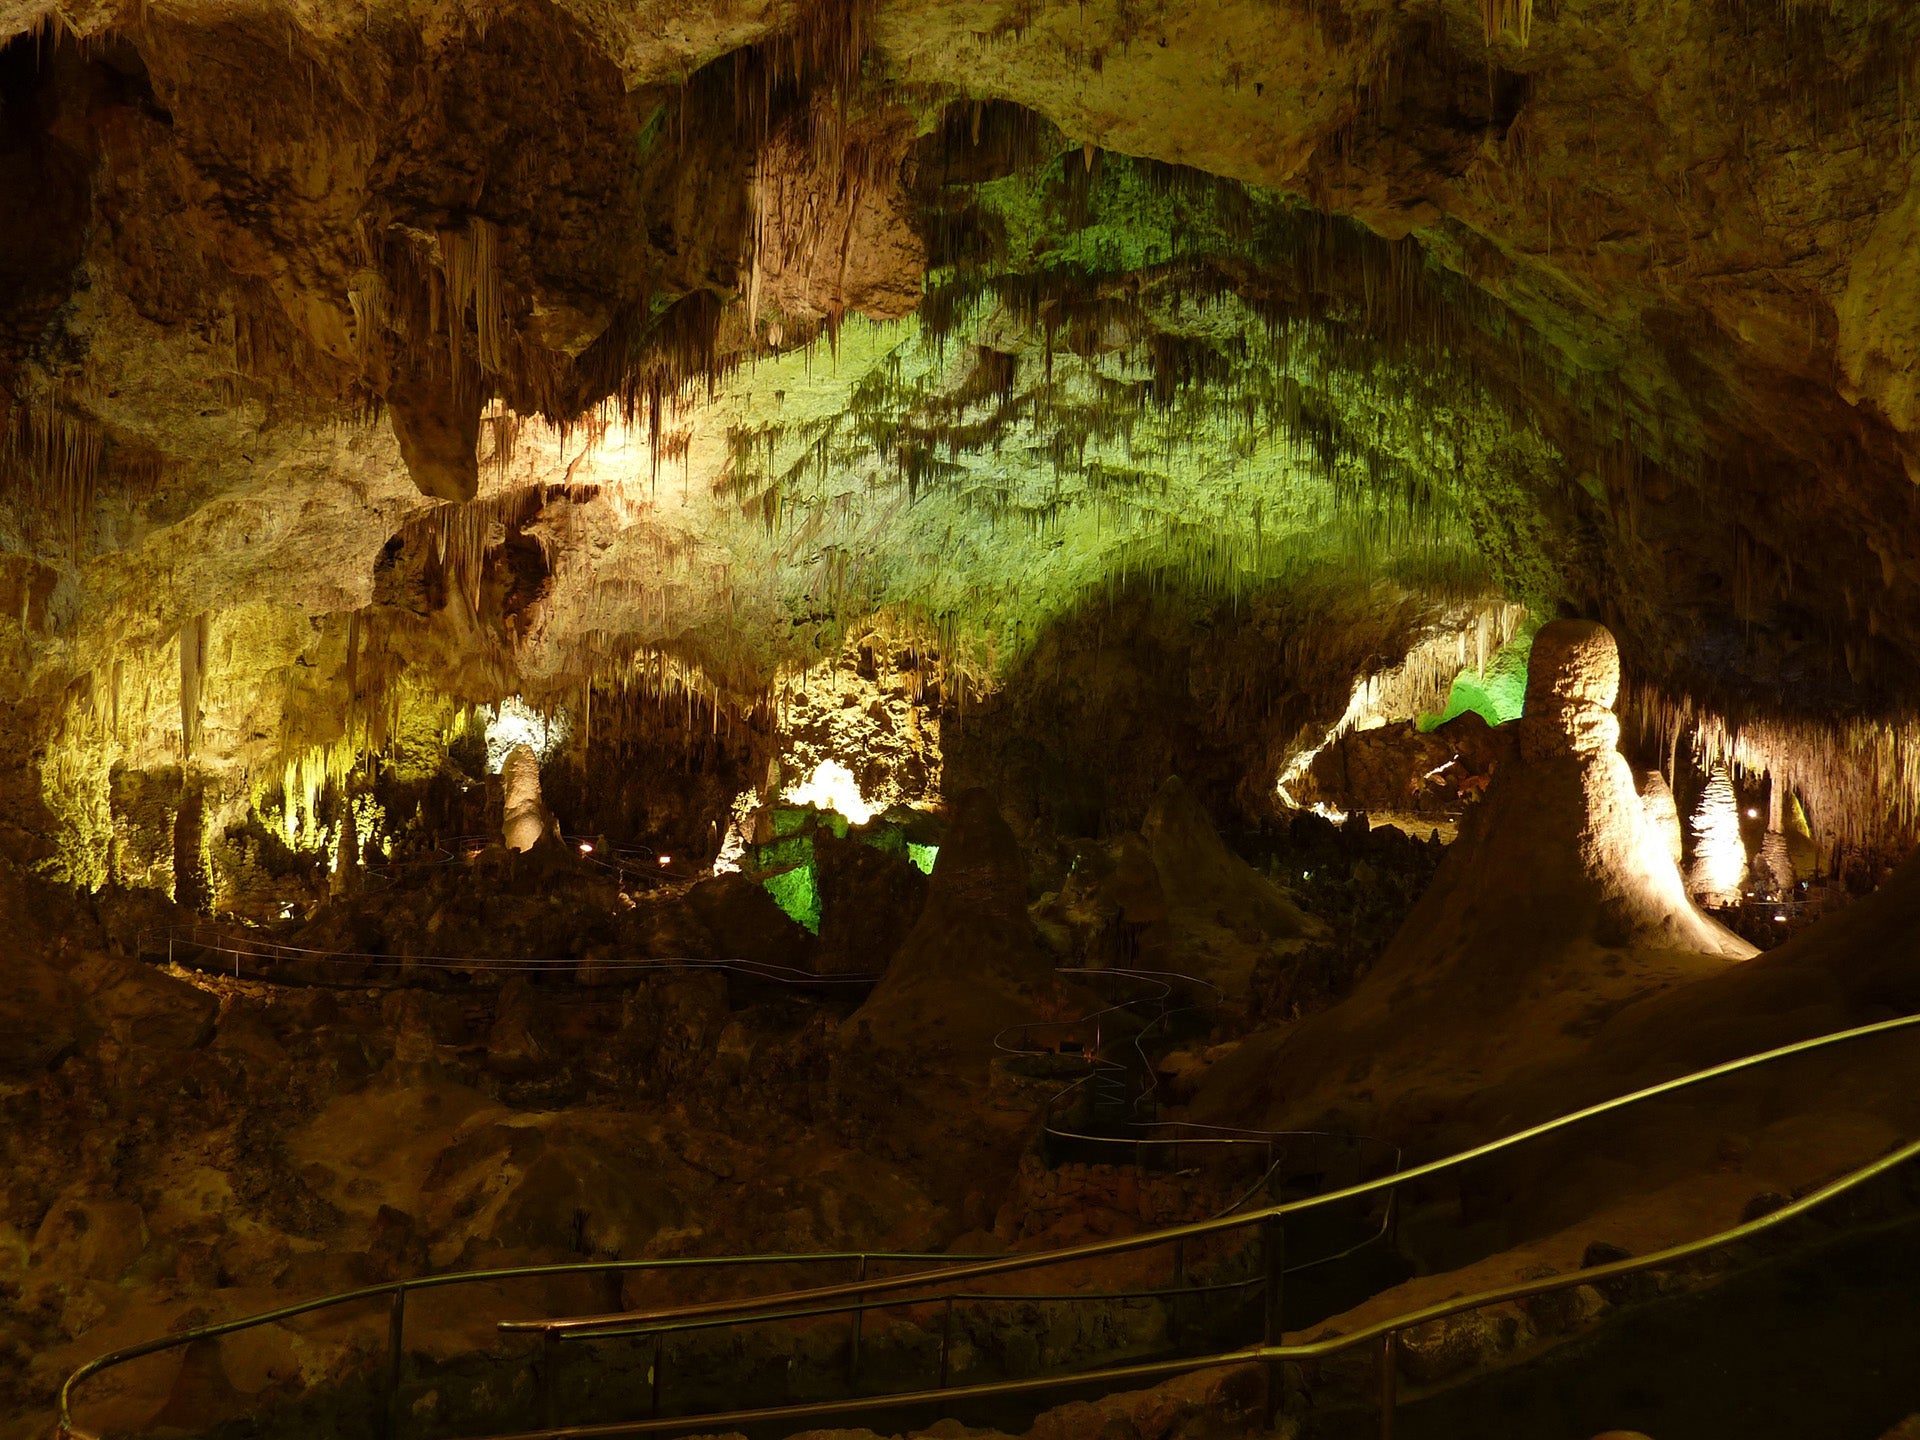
[
  {"x": 1573, "y": 678},
  {"x": 524, "y": 819}
]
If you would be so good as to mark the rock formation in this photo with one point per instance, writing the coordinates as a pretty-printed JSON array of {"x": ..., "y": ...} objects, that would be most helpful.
[
  {"x": 870, "y": 902},
  {"x": 974, "y": 964},
  {"x": 1221, "y": 913},
  {"x": 1558, "y": 904},
  {"x": 1200, "y": 876},
  {"x": 1719, "y": 871},
  {"x": 746, "y": 924},
  {"x": 1663, "y": 814},
  {"x": 1048, "y": 397},
  {"x": 524, "y": 819}
]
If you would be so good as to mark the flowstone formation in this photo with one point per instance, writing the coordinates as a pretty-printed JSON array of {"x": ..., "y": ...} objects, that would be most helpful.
[{"x": 1559, "y": 903}]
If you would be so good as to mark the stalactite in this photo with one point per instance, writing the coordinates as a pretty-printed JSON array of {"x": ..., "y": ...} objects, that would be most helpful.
[
  {"x": 470, "y": 270},
  {"x": 1857, "y": 781},
  {"x": 52, "y": 459},
  {"x": 193, "y": 638}
]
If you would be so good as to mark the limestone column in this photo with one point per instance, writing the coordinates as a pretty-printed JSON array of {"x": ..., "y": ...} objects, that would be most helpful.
[{"x": 525, "y": 818}]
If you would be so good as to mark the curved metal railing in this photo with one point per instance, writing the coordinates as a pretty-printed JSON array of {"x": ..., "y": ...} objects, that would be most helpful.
[
  {"x": 1270, "y": 1352},
  {"x": 1173, "y": 1140},
  {"x": 180, "y": 944},
  {"x": 935, "y": 1286}
]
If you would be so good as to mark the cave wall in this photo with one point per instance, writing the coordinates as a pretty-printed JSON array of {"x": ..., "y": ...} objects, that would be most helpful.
[
  {"x": 1658, "y": 261},
  {"x": 1152, "y": 682}
]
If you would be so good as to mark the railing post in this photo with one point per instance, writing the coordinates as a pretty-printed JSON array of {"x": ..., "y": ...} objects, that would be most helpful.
[
  {"x": 1389, "y": 1380},
  {"x": 1179, "y": 1283},
  {"x": 546, "y": 1387},
  {"x": 946, "y": 1341},
  {"x": 1273, "y": 1255},
  {"x": 854, "y": 1323},
  {"x": 396, "y": 1326},
  {"x": 659, "y": 1363}
]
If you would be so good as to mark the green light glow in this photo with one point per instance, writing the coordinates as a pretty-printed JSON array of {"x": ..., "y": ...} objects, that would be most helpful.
[
  {"x": 797, "y": 893},
  {"x": 1098, "y": 403},
  {"x": 923, "y": 856},
  {"x": 1497, "y": 696}
]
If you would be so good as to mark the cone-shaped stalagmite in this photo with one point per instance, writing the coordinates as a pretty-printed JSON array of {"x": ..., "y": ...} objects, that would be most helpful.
[
  {"x": 1199, "y": 874},
  {"x": 1221, "y": 914},
  {"x": 1558, "y": 903},
  {"x": 974, "y": 963}
]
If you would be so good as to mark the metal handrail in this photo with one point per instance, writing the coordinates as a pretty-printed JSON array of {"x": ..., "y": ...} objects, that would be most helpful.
[
  {"x": 1386, "y": 1331},
  {"x": 250, "y": 948},
  {"x": 1118, "y": 1245},
  {"x": 396, "y": 1291},
  {"x": 862, "y": 1289}
]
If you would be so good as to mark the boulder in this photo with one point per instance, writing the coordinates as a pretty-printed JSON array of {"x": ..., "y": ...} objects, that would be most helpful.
[
  {"x": 573, "y": 1195},
  {"x": 39, "y": 1020},
  {"x": 513, "y": 1044},
  {"x": 88, "y": 1239},
  {"x": 143, "y": 1008},
  {"x": 746, "y": 923},
  {"x": 869, "y": 903}
]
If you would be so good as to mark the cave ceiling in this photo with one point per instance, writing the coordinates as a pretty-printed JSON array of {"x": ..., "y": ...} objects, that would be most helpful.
[{"x": 727, "y": 327}]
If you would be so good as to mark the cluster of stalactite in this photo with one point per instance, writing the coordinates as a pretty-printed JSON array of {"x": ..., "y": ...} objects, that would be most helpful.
[
  {"x": 1112, "y": 313},
  {"x": 1856, "y": 780},
  {"x": 55, "y": 463}
]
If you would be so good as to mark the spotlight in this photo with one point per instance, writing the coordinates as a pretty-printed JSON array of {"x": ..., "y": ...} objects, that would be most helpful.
[
  {"x": 1752, "y": 814},
  {"x": 666, "y": 859},
  {"x": 585, "y": 848}
]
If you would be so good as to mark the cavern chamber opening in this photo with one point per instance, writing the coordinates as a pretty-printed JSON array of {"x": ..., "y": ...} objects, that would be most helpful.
[{"x": 1074, "y": 718}]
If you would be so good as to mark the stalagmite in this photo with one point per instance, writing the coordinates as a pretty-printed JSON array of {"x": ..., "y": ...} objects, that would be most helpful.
[
  {"x": 1719, "y": 855},
  {"x": 1663, "y": 812},
  {"x": 1559, "y": 902},
  {"x": 345, "y": 878},
  {"x": 525, "y": 820},
  {"x": 1773, "y": 868}
]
